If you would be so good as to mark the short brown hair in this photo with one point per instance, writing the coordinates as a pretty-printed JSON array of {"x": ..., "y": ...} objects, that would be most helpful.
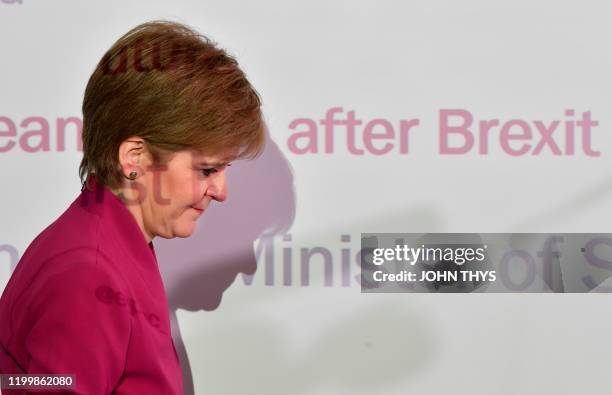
[{"x": 180, "y": 91}]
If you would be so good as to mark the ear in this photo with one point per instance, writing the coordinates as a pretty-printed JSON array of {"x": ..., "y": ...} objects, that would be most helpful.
[{"x": 132, "y": 154}]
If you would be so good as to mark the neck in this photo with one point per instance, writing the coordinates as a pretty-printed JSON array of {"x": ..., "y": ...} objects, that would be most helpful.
[{"x": 135, "y": 210}]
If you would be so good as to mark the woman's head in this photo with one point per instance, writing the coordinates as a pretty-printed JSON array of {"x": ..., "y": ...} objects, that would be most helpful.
[{"x": 163, "y": 100}]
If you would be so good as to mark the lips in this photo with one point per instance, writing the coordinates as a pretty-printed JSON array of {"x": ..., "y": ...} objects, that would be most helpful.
[{"x": 200, "y": 210}]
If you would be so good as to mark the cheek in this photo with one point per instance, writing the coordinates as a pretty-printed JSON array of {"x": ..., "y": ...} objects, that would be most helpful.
[
  {"x": 186, "y": 190},
  {"x": 178, "y": 207},
  {"x": 169, "y": 204},
  {"x": 182, "y": 200},
  {"x": 193, "y": 191},
  {"x": 181, "y": 184},
  {"x": 178, "y": 189}
]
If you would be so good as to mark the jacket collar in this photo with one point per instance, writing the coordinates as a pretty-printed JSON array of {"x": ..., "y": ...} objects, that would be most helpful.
[{"x": 116, "y": 218}]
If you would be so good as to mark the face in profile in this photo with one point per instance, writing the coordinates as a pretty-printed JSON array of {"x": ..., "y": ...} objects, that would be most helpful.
[{"x": 171, "y": 198}]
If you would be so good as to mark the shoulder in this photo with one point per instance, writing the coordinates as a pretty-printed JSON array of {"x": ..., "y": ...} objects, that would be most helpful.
[
  {"x": 69, "y": 250},
  {"x": 74, "y": 229}
]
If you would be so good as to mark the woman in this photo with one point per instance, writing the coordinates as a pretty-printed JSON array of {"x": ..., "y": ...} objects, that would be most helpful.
[{"x": 164, "y": 113}]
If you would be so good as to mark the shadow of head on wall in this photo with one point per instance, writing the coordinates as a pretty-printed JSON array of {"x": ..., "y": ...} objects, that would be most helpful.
[{"x": 261, "y": 203}]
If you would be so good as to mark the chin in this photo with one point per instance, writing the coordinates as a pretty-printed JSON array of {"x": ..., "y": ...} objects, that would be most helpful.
[{"x": 183, "y": 232}]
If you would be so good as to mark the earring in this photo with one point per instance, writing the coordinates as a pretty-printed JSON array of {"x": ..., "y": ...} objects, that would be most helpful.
[{"x": 133, "y": 175}]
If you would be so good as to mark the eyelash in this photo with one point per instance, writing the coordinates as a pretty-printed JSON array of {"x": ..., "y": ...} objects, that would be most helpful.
[{"x": 207, "y": 172}]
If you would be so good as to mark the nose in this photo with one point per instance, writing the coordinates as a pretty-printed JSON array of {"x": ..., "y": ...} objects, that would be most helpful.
[{"x": 217, "y": 187}]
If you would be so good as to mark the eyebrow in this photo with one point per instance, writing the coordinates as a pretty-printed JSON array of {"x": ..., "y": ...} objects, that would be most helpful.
[{"x": 217, "y": 164}]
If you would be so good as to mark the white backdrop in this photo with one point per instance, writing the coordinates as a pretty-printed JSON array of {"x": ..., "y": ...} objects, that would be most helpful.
[{"x": 520, "y": 60}]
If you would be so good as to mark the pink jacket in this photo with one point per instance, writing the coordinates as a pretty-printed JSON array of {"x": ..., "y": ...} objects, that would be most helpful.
[{"x": 87, "y": 299}]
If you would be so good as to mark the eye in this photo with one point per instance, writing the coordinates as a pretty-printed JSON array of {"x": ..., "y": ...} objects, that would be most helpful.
[{"x": 207, "y": 172}]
